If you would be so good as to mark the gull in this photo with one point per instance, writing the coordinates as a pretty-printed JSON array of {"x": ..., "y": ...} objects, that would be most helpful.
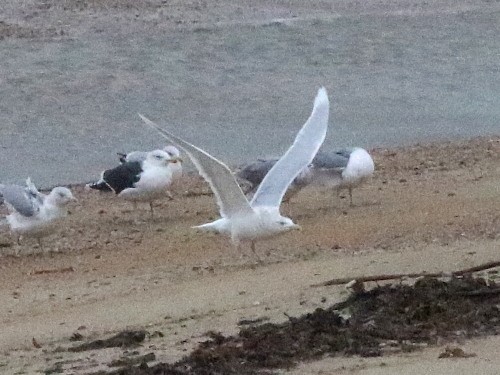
[
  {"x": 140, "y": 156},
  {"x": 136, "y": 181},
  {"x": 32, "y": 213},
  {"x": 251, "y": 175},
  {"x": 343, "y": 169},
  {"x": 260, "y": 218}
]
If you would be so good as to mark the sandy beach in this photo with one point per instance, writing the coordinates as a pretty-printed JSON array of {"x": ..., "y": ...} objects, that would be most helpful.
[
  {"x": 429, "y": 208},
  {"x": 414, "y": 82}
]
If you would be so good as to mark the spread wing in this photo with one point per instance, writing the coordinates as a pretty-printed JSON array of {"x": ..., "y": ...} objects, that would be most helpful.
[
  {"x": 229, "y": 196},
  {"x": 299, "y": 155}
]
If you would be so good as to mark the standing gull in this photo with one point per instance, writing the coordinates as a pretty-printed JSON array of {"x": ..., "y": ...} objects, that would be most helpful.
[
  {"x": 136, "y": 181},
  {"x": 343, "y": 169},
  {"x": 260, "y": 218},
  {"x": 140, "y": 156},
  {"x": 32, "y": 213},
  {"x": 251, "y": 175}
]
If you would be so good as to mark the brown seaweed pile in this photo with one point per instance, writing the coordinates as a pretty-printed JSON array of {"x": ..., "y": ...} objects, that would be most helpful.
[{"x": 362, "y": 325}]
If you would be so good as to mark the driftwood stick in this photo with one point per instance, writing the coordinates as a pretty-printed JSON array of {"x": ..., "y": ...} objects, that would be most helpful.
[
  {"x": 56, "y": 270},
  {"x": 481, "y": 267},
  {"x": 362, "y": 279}
]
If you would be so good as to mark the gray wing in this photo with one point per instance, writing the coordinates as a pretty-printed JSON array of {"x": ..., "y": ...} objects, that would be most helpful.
[
  {"x": 255, "y": 172},
  {"x": 229, "y": 196},
  {"x": 334, "y": 160},
  {"x": 21, "y": 199},
  {"x": 299, "y": 155}
]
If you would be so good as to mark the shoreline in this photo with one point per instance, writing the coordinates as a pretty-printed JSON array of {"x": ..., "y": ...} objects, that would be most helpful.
[{"x": 191, "y": 172}]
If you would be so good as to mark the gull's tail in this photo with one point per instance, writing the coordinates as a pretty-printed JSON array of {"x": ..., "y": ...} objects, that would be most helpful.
[
  {"x": 101, "y": 184},
  {"x": 217, "y": 226},
  {"x": 122, "y": 157},
  {"x": 31, "y": 187}
]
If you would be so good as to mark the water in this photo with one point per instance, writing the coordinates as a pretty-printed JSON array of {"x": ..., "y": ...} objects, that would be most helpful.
[{"x": 242, "y": 91}]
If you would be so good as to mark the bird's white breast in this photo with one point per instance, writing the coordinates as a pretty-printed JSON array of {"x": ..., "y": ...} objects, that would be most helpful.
[
  {"x": 152, "y": 184},
  {"x": 359, "y": 167},
  {"x": 42, "y": 223},
  {"x": 261, "y": 224}
]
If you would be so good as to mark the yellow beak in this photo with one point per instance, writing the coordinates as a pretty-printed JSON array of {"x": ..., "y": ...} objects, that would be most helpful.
[{"x": 175, "y": 159}]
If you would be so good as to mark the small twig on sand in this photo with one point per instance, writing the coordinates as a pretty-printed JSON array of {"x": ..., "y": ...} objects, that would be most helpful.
[
  {"x": 363, "y": 279},
  {"x": 56, "y": 270}
]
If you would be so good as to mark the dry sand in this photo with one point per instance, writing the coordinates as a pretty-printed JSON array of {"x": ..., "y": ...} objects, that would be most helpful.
[{"x": 428, "y": 208}]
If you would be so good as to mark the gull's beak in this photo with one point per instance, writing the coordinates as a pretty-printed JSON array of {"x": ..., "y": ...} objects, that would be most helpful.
[
  {"x": 297, "y": 227},
  {"x": 74, "y": 201},
  {"x": 175, "y": 159}
]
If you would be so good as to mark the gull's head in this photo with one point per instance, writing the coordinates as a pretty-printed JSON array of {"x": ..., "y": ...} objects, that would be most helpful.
[
  {"x": 172, "y": 151},
  {"x": 161, "y": 158},
  {"x": 286, "y": 224},
  {"x": 61, "y": 196}
]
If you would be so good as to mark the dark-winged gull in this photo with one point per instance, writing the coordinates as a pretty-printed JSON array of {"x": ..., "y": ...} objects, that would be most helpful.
[
  {"x": 343, "y": 169},
  {"x": 32, "y": 213},
  {"x": 136, "y": 181},
  {"x": 140, "y": 156},
  {"x": 260, "y": 218}
]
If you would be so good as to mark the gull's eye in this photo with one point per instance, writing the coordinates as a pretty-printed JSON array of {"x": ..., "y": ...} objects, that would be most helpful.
[
  {"x": 282, "y": 223},
  {"x": 61, "y": 194},
  {"x": 159, "y": 157}
]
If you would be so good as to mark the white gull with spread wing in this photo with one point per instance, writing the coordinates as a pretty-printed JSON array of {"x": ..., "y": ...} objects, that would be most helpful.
[{"x": 260, "y": 218}]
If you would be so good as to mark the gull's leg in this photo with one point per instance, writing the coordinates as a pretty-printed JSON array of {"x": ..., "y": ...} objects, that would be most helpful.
[
  {"x": 237, "y": 246},
  {"x": 252, "y": 246},
  {"x": 239, "y": 250},
  {"x": 39, "y": 241},
  {"x": 151, "y": 209},
  {"x": 17, "y": 249},
  {"x": 350, "y": 196},
  {"x": 170, "y": 196}
]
